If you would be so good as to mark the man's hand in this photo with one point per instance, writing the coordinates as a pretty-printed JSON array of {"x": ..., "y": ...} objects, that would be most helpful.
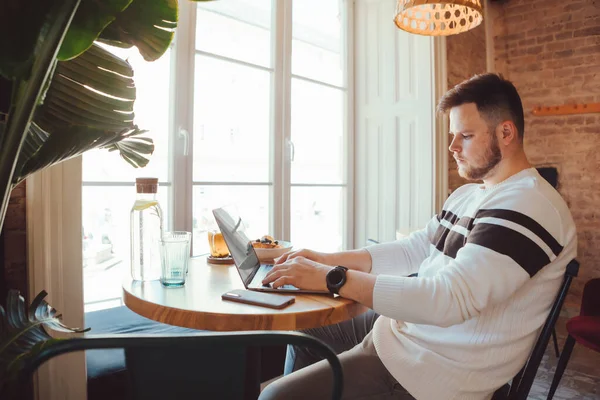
[
  {"x": 359, "y": 260},
  {"x": 300, "y": 272},
  {"x": 308, "y": 254}
]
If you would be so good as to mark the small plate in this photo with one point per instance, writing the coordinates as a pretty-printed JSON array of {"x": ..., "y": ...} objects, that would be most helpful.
[{"x": 221, "y": 260}]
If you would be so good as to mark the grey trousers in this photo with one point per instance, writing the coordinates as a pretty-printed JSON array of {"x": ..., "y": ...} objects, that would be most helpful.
[{"x": 307, "y": 376}]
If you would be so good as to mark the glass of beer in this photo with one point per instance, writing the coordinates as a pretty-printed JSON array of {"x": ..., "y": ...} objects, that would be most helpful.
[{"x": 216, "y": 243}]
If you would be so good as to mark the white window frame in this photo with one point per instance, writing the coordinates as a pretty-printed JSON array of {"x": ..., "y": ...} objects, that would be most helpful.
[{"x": 281, "y": 145}]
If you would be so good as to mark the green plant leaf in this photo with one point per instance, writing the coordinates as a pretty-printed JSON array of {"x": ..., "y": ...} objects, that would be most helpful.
[
  {"x": 91, "y": 18},
  {"x": 23, "y": 330},
  {"x": 146, "y": 24},
  {"x": 28, "y": 92},
  {"x": 76, "y": 140},
  {"x": 95, "y": 90},
  {"x": 133, "y": 150},
  {"x": 89, "y": 105},
  {"x": 18, "y": 39}
]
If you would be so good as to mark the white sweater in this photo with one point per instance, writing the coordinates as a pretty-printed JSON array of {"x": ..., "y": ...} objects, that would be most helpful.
[{"x": 490, "y": 266}]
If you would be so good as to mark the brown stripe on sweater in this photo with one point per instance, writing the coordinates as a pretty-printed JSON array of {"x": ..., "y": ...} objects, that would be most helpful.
[
  {"x": 450, "y": 217},
  {"x": 466, "y": 222},
  {"x": 454, "y": 242},
  {"x": 511, "y": 243},
  {"x": 440, "y": 237},
  {"x": 441, "y": 234},
  {"x": 525, "y": 221}
]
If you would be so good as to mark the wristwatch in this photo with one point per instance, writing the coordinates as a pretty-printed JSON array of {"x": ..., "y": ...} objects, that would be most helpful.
[{"x": 336, "y": 278}]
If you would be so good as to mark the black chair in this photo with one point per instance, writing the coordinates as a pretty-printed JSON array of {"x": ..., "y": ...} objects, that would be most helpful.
[
  {"x": 206, "y": 365},
  {"x": 520, "y": 386},
  {"x": 107, "y": 376},
  {"x": 550, "y": 174}
]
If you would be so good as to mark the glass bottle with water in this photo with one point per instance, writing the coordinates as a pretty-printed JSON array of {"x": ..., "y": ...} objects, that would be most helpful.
[{"x": 146, "y": 231}]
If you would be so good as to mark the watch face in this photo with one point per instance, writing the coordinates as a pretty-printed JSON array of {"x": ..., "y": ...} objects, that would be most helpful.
[{"x": 335, "y": 277}]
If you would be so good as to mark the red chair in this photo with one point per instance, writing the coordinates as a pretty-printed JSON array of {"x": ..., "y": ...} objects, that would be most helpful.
[{"x": 583, "y": 329}]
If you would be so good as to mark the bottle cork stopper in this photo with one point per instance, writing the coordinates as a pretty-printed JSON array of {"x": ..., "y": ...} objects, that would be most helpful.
[{"x": 146, "y": 185}]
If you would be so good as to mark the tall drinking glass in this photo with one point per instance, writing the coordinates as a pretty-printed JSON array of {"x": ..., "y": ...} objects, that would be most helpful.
[{"x": 175, "y": 256}]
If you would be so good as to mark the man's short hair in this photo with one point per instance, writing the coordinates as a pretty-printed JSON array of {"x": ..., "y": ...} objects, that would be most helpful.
[{"x": 496, "y": 99}]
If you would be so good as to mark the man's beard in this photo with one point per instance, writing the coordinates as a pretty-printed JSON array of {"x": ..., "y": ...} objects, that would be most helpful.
[{"x": 493, "y": 156}]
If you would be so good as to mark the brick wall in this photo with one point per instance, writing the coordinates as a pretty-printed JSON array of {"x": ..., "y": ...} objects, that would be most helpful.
[
  {"x": 13, "y": 242},
  {"x": 550, "y": 50},
  {"x": 466, "y": 56}
]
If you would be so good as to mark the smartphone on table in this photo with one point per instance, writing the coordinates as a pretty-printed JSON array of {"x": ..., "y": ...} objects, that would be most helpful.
[{"x": 258, "y": 298}]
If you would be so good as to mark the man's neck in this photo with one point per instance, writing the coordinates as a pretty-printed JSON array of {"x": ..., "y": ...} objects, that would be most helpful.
[{"x": 507, "y": 168}]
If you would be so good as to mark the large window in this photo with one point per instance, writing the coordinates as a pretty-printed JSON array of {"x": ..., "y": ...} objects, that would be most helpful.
[
  {"x": 108, "y": 189},
  {"x": 250, "y": 107}
]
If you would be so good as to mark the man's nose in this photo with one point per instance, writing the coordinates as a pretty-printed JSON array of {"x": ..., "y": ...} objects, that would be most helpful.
[{"x": 454, "y": 145}]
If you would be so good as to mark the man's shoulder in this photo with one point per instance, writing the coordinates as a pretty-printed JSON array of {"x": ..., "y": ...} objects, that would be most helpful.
[
  {"x": 462, "y": 191},
  {"x": 531, "y": 193},
  {"x": 528, "y": 194},
  {"x": 532, "y": 200}
]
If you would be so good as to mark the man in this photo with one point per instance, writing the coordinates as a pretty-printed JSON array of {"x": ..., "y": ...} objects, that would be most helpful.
[{"x": 489, "y": 267}]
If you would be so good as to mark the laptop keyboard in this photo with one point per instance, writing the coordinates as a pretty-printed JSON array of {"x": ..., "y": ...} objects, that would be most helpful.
[{"x": 261, "y": 273}]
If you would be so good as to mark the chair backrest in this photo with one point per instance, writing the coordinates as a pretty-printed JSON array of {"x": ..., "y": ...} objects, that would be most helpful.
[
  {"x": 521, "y": 383},
  {"x": 201, "y": 365}
]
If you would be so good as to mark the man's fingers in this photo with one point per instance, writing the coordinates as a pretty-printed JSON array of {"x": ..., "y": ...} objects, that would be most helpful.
[
  {"x": 284, "y": 257},
  {"x": 269, "y": 277},
  {"x": 272, "y": 275},
  {"x": 290, "y": 256},
  {"x": 284, "y": 280},
  {"x": 281, "y": 259}
]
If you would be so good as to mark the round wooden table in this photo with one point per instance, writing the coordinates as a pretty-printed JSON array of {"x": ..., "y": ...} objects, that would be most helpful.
[{"x": 199, "y": 305}]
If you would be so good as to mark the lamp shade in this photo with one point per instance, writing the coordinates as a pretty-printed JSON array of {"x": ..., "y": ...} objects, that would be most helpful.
[{"x": 438, "y": 17}]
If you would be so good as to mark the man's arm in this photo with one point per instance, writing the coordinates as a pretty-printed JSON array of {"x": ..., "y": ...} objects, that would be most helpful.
[
  {"x": 307, "y": 269},
  {"x": 502, "y": 251},
  {"x": 401, "y": 257},
  {"x": 359, "y": 260},
  {"x": 308, "y": 274},
  {"x": 510, "y": 242},
  {"x": 359, "y": 287},
  {"x": 478, "y": 277}
]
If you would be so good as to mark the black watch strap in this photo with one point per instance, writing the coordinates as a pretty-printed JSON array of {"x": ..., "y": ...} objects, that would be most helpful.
[{"x": 336, "y": 278}]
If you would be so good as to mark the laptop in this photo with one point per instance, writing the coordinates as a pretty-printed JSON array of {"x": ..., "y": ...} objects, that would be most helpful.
[{"x": 244, "y": 256}]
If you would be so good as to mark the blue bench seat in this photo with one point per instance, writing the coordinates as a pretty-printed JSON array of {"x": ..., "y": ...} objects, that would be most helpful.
[{"x": 119, "y": 320}]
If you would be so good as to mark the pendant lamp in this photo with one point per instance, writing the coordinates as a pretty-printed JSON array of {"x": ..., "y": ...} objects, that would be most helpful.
[{"x": 438, "y": 17}]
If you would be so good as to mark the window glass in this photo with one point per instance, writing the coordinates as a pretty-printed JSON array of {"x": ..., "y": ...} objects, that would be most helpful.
[
  {"x": 317, "y": 133},
  {"x": 231, "y": 122},
  {"x": 317, "y": 44},
  {"x": 251, "y": 202},
  {"x": 317, "y": 218},
  {"x": 239, "y": 29}
]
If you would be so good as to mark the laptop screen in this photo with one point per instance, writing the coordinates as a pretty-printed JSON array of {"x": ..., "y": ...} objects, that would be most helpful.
[{"x": 239, "y": 245}]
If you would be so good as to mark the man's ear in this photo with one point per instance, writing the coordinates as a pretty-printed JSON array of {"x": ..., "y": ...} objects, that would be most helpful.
[{"x": 507, "y": 132}]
